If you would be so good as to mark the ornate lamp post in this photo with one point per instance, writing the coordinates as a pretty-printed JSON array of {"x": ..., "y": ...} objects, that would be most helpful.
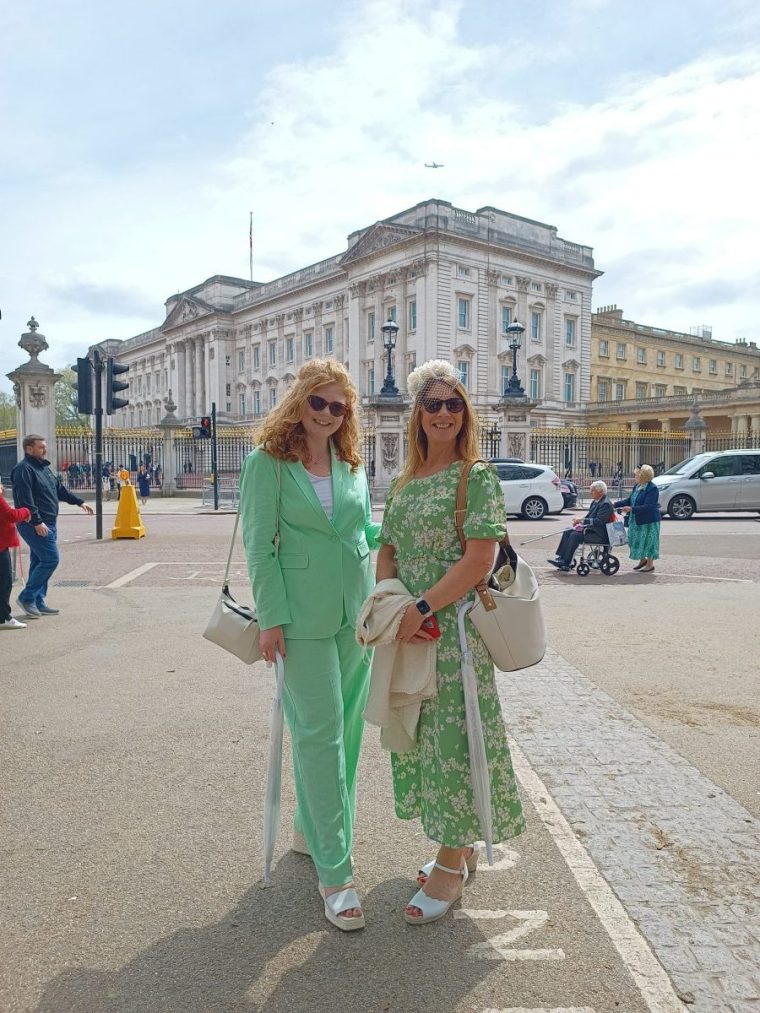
[
  {"x": 515, "y": 331},
  {"x": 390, "y": 333}
]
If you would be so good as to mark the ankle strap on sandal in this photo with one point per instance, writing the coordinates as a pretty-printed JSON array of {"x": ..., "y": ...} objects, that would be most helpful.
[{"x": 454, "y": 872}]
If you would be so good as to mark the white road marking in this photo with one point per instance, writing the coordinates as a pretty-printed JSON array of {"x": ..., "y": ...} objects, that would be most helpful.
[
  {"x": 496, "y": 948},
  {"x": 648, "y": 974},
  {"x": 127, "y": 578},
  {"x": 686, "y": 576}
]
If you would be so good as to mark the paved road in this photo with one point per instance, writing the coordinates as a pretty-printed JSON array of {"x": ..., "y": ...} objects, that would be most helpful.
[{"x": 133, "y": 755}]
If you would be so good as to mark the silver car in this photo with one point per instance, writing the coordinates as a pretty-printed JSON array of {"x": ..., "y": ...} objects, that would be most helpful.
[{"x": 724, "y": 480}]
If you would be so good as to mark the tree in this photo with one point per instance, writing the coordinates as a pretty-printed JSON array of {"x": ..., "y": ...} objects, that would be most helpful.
[
  {"x": 7, "y": 410},
  {"x": 66, "y": 401}
]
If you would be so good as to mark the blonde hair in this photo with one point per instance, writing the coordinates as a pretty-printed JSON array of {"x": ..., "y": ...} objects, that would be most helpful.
[
  {"x": 467, "y": 437},
  {"x": 646, "y": 472},
  {"x": 283, "y": 434}
]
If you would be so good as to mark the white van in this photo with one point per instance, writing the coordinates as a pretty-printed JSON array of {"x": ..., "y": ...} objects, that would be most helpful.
[{"x": 724, "y": 480}]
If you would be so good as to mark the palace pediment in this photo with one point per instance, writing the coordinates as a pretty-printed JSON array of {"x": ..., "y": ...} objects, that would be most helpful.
[
  {"x": 186, "y": 311},
  {"x": 464, "y": 349},
  {"x": 537, "y": 359},
  {"x": 376, "y": 238}
]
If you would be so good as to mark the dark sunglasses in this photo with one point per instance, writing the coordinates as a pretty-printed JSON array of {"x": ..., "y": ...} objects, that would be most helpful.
[
  {"x": 337, "y": 408},
  {"x": 433, "y": 405}
]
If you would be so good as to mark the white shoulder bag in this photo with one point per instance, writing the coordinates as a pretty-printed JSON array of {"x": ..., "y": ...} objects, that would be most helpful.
[
  {"x": 507, "y": 612},
  {"x": 234, "y": 626}
]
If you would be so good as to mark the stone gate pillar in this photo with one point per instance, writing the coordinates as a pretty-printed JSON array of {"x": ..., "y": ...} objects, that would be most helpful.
[
  {"x": 390, "y": 431},
  {"x": 168, "y": 425},
  {"x": 514, "y": 424},
  {"x": 696, "y": 428},
  {"x": 34, "y": 387}
]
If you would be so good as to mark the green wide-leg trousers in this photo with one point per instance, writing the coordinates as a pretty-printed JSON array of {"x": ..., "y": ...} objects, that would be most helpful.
[{"x": 326, "y": 685}]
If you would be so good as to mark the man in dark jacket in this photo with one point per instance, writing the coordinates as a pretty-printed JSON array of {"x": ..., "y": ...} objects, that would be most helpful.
[
  {"x": 38, "y": 489},
  {"x": 596, "y": 521}
]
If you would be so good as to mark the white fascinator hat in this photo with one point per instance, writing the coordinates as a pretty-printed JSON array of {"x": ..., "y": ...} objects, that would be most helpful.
[{"x": 433, "y": 371}]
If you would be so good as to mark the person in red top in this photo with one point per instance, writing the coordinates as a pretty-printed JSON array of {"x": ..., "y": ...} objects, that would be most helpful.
[{"x": 8, "y": 540}]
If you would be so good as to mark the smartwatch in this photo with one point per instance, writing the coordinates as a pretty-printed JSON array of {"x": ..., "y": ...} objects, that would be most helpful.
[{"x": 422, "y": 607}]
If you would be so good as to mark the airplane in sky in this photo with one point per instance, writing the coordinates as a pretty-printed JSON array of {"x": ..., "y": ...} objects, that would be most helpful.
[{"x": 434, "y": 165}]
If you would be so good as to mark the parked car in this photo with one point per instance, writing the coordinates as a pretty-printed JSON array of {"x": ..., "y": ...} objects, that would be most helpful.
[
  {"x": 726, "y": 480},
  {"x": 505, "y": 460},
  {"x": 569, "y": 492},
  {"x": 532, "y": 490}
]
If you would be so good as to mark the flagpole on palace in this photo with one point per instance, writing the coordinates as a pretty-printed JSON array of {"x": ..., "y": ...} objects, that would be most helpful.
[{"x": 250, "y": 245}]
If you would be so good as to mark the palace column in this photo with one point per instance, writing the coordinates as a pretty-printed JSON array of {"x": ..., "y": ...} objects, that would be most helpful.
[
  {"x": 179, "y": 377},
  {"x": 200, "y": 386},
  {"x": 189, "y": 406}
]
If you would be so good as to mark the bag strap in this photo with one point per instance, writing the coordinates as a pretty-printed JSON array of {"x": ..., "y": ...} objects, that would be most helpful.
[
  {"x": 225, "y": 582},
  {"x": 459, "y": 514}
]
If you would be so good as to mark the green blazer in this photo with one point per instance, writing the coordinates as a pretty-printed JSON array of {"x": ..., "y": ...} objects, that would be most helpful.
[{"x": 321, "y": 568}]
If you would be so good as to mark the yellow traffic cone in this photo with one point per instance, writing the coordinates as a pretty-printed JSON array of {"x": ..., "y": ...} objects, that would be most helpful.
[{"x": 128, "y": 522}]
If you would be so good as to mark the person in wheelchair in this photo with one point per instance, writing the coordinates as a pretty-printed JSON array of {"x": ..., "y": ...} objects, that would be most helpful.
[{"x": 592, "y": 527}]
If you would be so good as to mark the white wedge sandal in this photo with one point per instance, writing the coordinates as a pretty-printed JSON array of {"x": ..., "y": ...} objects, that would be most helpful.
[
  {"x": 344, "y": 900},
  {"x": 431, "y": 908},
  {"x": 471, "y": 860}
]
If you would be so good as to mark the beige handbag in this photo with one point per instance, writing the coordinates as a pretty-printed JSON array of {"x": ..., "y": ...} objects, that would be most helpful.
[
  {"x": 233, "y": 626},
  {"x": 507, "y": 613}
]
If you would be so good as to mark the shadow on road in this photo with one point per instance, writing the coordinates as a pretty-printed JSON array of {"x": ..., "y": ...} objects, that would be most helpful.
[{"x": 275, "y": 951}]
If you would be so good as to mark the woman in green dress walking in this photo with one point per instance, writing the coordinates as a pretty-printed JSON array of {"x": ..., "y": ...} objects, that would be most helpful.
[
  {"x": 643, "y": 508},
  {"x": 420, "y": 546}
]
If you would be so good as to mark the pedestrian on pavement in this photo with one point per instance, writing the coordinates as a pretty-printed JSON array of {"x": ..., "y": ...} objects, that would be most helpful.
[
  {"x": 106, "y": 481},
  {"x": 421, "y": 548},
  {"x": 644, "y": 518},
  {"x": 37, "y": 488},
  {"x": 9, "y": 518},
  {"x": 308, "y": 530},
  {"x": 595, "y": 522},
  {"x": 143, "y": 481}
]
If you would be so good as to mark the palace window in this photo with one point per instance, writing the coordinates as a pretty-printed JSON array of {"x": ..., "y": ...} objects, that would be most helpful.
[
  {"x": 272, "y": 397},
  {"x": 679, "y": 390},
  {"x": 257, "y": 402},
  {"x": 604, "y": 349},
  {"x": 619, "y": 391},
  {"x": 308, "y": 345},
  {"x": 505, "y": 374},
  {"x": 641, "y": 356},
  {"x": 729, "y": 369},
  {"x": 621, "y": 351},
  {"x": 535, "y": 325},
  {"x": 392, "y": 314},
  {"x": 743, "y": 371},
  {"x": 642, "y": 389},
  {"x": 660, "y": 358},
  {"x": 412, "y": 315},
  {"x": 713, "y": 366},
  {"x": 227, "y": 360},
  {"x": 506, "y": 318},
  {"x": 256, "y": 357},
  {"x": 679, "y": 360},
  {"x": 370, "y": 327},
  {"x": 464, "y": 372},
  {"x": 228, "y": 389},
  {"x": 535, "y": 384},
  {"x": 241, "y": 360},
  {"x": 463, "y": 314},
  {"x": 569, "y": 387},
  {"x": 660, "y": 389},
  {"x": 462, "y": 271},
  {"x": 289, "y": 349},
  {"x": 696, "y": 364},
  {"x": 241, "y": 405},
  {"x": 535, "y": 286},
  {"x": 570, "y": 331},
  {"x": 329, "y": 340},
  {"x": 371, "y": 380},
  {"x": 272, "y": 353},
  {"x": 602, "y": 390}
]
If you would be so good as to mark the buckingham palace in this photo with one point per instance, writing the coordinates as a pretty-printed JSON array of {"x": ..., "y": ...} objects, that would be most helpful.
[{"x": 453, "y": 280}]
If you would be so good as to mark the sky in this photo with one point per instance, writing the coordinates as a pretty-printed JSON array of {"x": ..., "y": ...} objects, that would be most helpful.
[{"x": 136, "y": 139}]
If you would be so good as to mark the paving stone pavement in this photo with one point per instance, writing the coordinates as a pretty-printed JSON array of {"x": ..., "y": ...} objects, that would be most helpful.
[{"x": 682, "y": 856}]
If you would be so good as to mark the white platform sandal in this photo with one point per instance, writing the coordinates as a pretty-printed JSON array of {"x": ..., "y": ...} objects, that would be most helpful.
[
  {"x": 471, "y": 860},
  {"x": 344, "y": 900},
  {"x": 431, "y": 908}
]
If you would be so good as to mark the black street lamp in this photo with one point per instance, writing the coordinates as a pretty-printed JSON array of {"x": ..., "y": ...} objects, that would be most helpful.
[
  {"x": 390, "y": 333},
  {"x": 515, "y": 331}
]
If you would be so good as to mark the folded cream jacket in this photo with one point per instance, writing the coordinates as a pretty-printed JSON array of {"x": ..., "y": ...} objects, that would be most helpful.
[{"x": 403, "y": 675}]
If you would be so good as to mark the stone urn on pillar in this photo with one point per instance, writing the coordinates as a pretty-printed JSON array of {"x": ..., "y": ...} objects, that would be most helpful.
[{"x": 33, "y": 385}]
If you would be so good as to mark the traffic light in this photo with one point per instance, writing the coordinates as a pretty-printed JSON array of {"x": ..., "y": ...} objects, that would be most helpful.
[
  {"x": 84, "y": 371},
  {"x": 202, "y": 431},
  {"x": 113, "y": 386}
]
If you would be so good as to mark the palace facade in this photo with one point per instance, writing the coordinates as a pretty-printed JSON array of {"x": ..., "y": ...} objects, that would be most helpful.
[{"x": 452, "y": 279}]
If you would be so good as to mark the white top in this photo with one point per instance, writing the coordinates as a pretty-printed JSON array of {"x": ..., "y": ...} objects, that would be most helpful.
[{"x": 323, "y": 488}]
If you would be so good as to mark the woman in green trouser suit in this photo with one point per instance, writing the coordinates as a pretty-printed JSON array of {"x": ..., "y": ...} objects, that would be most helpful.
[
  {"x": 421, "y": 548},
  {"x": 306, "y": 480}
]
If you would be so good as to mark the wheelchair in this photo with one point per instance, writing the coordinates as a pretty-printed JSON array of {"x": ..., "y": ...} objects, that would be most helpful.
[{"x": 599, "y": 558}]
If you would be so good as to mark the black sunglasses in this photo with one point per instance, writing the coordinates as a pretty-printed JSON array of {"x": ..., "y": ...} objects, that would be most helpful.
[
  {"x": 433, "y": 405},
  {"x": 337, "y": 408}
]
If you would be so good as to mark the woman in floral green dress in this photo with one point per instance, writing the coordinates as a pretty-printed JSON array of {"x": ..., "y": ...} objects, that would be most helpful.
[{"x": 421, "y": 548}]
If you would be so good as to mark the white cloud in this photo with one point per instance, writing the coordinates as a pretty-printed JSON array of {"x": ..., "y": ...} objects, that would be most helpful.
[{"x": 662, "y": 165}]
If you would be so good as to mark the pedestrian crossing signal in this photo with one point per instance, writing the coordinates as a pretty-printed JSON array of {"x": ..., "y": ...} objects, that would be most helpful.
[{"x": 203, "y": 431}]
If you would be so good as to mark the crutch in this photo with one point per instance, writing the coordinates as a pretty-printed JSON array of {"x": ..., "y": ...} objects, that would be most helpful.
[{"x": 538, "y": 538}]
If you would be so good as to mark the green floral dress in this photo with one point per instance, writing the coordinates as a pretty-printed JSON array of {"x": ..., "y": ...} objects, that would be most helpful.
[{"x": 433, "y": 780}]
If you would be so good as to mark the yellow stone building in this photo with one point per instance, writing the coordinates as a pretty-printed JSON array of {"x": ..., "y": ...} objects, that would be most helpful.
[{"x": 646, "y": 378}]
